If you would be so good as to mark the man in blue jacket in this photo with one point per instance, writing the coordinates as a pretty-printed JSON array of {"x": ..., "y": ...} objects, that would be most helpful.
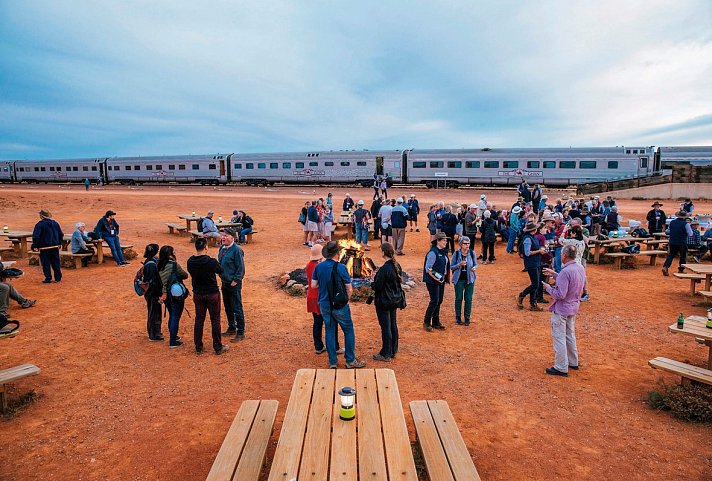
[
  {"x": 680, "y": 230},
  {"x": 108, "y": 229},
  {"x": 413, "y": 211},
  {"x": 47, "y": 238},
  {"x": 232, "y": 261},
  {"x": 399, "y": 222}
]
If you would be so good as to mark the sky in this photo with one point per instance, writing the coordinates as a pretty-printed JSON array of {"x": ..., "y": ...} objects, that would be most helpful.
[{"x": 125, "y": 78}]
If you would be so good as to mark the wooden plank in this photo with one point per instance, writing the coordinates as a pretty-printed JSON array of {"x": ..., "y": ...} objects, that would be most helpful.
[
  {"x": 399, "y": 457},
  {"x": 433, "y": 453},
  {"x": 285, "y": 465},
  {"x": 18, "y": 372},
  {"x": 343, "y": 437},
  {"x": 371, "y": 454},
  {"x": 463, "y": 468},
  {"x": 226, "y": 461},
  {"x": 253, "y": 455},
  {"x": 315, "y": 453},
  {"x": 685, "y": 370}
]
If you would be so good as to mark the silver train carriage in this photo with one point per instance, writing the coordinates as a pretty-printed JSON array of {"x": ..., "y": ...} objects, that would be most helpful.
[
  {"x": 699, "y": 155},
  {"x": 58, "y": 170},
  {"x": 543, "y": 166},
  {"x": 203, "y": 169}
]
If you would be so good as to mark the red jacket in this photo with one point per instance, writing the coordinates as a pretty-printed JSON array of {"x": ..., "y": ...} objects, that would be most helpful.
[{"x": 312, "y": 294}]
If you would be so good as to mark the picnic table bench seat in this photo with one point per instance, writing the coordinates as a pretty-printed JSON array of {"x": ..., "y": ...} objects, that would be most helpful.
[
  {"x": 242, "y": 454},
  {"x": 176, "y": 227},
  {"x": 444, "y": 451},
  {"x": 619, "y": 256},
  {"x": 687, "y": 371},
  {"x": 196, "y": 234},
  {"x": 76, "y": 258},
  {"x": 13, "y": 374},
  {"x": 694, "y": 279}
]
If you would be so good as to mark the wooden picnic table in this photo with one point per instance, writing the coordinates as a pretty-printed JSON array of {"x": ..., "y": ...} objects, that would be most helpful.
[
  {"x": 98, "y": 243},
  {"x": 316, "y": 445},
  {"x": 696, "y": 326},
  {"x": 703, "y": 269},
  {"x": 600, "y": 245},
  {"x": 19, "y": 236},
  {"x": 660, "y": 235},
  {"x": 190, "y": 218}
]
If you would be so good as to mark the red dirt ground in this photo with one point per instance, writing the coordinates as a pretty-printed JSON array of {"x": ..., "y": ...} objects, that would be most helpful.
[{"x": 113, "y": 406}]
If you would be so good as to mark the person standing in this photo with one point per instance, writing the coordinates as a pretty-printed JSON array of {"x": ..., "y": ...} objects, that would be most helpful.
[
  {"x": 312, "y": 225},
  {"x": 87, "y": 183},
  {"x": 348, "y": 203},
  {"x": 361, "y": 221},
  {"x": 413, "y": 211},
  {"x": 566, "y": 300},
  {"x": 375, "y": 208},
  {"x": 514, "y": 228},
  {"x": 376, "y": 186},
  {"x": 532, "y": 252},
  {"x": 313, "y": 304},
  {"x": 384, "y": 188},
  {"x": 108, "y": 229},
  {"x": 384, "y": 215},
  {"x": 232, "y": 261},
  {"x": 656, "y": 218},
  {"x": 389, "y": 297},
  {"x": 47, "y": 237},
  {"x": 680, "y": 230},
  {"x": 303, "y": 220},
  {"x": 153, "y": 293},
  {"x": 688, "y": 206},
  {"x": 536, "y": 198},
  {"x": 79, "y": 242},
  {"x": 524, "y": 192},
  {"x": 399, "y": 223},
  {"x": 206, "y": 296},
  {"x": 471, "y": 224},
  {"x": 464, "y": 264},
  {"x": 449, "y": 226},
  {"x": 325, "y": 275},
  {"x": 436, "y": 272},
  {"x": 488, "y": 228},
  {"x": 171, "y": 272}
]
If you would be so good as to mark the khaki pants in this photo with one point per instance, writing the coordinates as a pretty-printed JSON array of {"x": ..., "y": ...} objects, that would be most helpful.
[
  {"x": 565, "y": 352},
  {"x": 398, "y": 239},
  {"x": 7, "y": 292}
]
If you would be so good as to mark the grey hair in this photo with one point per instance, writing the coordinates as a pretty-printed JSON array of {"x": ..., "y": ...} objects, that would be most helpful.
[
  {"x": 79, "y": 224},
  {"x": 569, "y": 251},
  {"x": 463, "y": 239},
  {"x": 448, "y": 208}
]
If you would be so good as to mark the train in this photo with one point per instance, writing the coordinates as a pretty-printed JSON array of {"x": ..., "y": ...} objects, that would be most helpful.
[{"x": 559, "y": 167}]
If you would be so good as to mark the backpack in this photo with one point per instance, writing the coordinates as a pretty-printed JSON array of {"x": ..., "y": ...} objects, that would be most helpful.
[
  {"x": 640, "y": 232},
  {"x": 176, "y": 288},
  {"x": 140, "y": 285},
  {"x": 200, "y": 224},
  {"x": 247, "y": 221},
  {"x": 337, "y": 290},
  {"x": 302, "y": 218},
  {"x": 632, "y": 249}
]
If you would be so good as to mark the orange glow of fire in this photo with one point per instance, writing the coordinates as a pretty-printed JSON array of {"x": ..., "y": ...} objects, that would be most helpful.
[{"x": 353, "y": 249}]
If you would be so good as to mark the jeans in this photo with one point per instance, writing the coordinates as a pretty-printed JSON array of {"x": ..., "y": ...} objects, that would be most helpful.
[
  {"x": 211, "y": 304},
  {"x": 115, "y": 246},
  {"x": 487, "y": 247},
  {"x": 562, "y": 332},
  {"x": 49, "y": 258},
  {"x": 511, "y": 240},
  {"x": 472, "y": 236},
  {"x": 243, "y": 232},
  {"x": 432, "y": 312},
  {"x": 153, "y": 322},
  {"x": 317, "y": 327},
  {"x": 341, "y": 317},
  {"x": 361, "y": 234},
  {"x": 533, "y": 287},
  {"x": 398, "y": 239},
  {"x": 463, "y": 289},
  {"x": 540, "y": 288},
  {"x": 557, "y": 259},
  {"x": 232, "y": 300},
  {"x": 175, "y": 311},
  {"x": 389, "y": 332},
  {"x": 676, "y": 250}
]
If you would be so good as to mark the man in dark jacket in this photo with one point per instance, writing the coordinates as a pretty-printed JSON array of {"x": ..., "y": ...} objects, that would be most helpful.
[
  {"x": 679, "y": 231},
  {"x": 656, "y": 218},
  {"x": 399, "y": 222},
  {"x": 348, "y": 202},
  {"x": 108, "y": 229},
  {"x": 232, "y": 261},
  {"x": 375, "y": 208},
  {"x": 47, "y": 238},
  {"x": 524, "y": 192},
  {"x": 536, "y": 198},
  {"x": 206, "y": 296},
  {"x": 413, "y": 211}
]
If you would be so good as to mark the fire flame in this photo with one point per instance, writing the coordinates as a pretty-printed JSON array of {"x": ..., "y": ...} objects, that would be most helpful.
[{"x": 353, "y": 253}]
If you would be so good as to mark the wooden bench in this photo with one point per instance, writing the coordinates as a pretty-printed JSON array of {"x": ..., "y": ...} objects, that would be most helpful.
[
  {"x": 619, "y": 256},
  {"x": 13, "y": 374},
  {"x": 688, "y": 372},
  {"x": 242, "y": 454},
  {"x": 176, "y": 227},
  {"x": 694, "y": 279},
  {"x": 248, "y": 237},
  {"x": 194, "y": 235},
  {"x": 444, "y": 451},
  {"x": 77, "y": 258},
  {"x": 653, "y": 244}
]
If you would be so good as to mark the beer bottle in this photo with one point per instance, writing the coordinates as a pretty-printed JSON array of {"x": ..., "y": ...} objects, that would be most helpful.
[
  {"x": 680, "y": 321},
  {"x": 709, "y": 319}
]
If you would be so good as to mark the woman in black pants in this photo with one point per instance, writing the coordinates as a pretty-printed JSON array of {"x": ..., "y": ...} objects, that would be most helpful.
[
  {"x": 532, "y": 252},
  {"x": 153, "y": 292},
  {"x": 450, "y": 223},
  {"x": 389, "y": 297}
]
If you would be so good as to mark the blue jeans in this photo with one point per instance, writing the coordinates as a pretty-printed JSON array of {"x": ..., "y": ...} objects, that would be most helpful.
[
  {"x": 243, "y": 232},
  {"x": 175, "y": 310},
  {"x": 115, "y": 246},
  {"x": 510, "y": 241},
  {"x": 557, "y": 259},
  {"x": 361, "y": 234},
  {"x": 343, "y": 318}
]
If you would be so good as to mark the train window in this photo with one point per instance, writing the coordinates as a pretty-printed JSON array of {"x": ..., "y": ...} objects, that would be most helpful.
[
  {"x": 345, "y": 164},
  {"x": 299, "y": 165},
  {"x": 238, "y": 166},
  {"x": 587, "y": 164},
  {"x": 137, "y": 167},
  {"x": 51, "y": 169},
  {"x": 313, "y": 164},
  {"x": 75, "y": 169},
  {"x": 286, "y": 165},
  {"x": 635, "y": 151},
  {"x": 128, "y": 167},
  {"x": 42, "y": 169},
  {"x": 567, "y": 164},
  {"x": 436, "y": 164},
  {"x": 328, "y": 164},
  {"x": 491, "y": 164},
  {"x": 612, "y": 164},
  {"x": 418, "y": 165},
  {"x": 274, "y": 165},
  {"x": 643, "y": 162},
  {"x": 511, "y": 164},
  {"x": 249, "y": 165},
  {"x": 93, "y": 167},
  {"x": 472, "y": 164},
  {"x": 533, "y": 164},
  {"x": 171, "y": 167},
  {"x": 454, "y": 164},
  {"x": 261, "y": 165},
  {"x": 212, "y": 167},
  {"x": 549, "y": 164},
  {"x": 627, "y": 151},
  {"x": 149, "y": 167},
  {"x": 361, "y": 164},
  {"x": 317, "y": 155},
  {"x": 181, "y": 166},
  {"x": 159, "y": 167}
]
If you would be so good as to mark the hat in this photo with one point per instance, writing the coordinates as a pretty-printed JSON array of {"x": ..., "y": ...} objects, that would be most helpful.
[
  {"x": 487, "y": 214},
  {"x": 330, "y": 249},
  {"x": 440, "y": 235},
  {"x": 596, "y": 197},
  {"x": 695, "y": 222},
  {"x": 656, "y": 203},
  {"x": 360, "y": 202},
  {"x": 399, "y": 200},
  {"x": 315, "y": 253},
  {"x": 210, "y": 212},
  {"x": 473, "y": 206},
  {"x": 530, "y": 227},
  {"x": 516, "y": 209},
  {"x": 544, "y": 196},
  {"x": 547, "y": 216},
  {"x": 228, "y": 230},
  {"x": 234, "y": 212},
  {"x": 109, "y": 212},
  {"x": 483, "y": 197},
  {"x": 682, "y": 213},
  {"x": 45, "y": 214},
  {"x": 412, "y": 195}
]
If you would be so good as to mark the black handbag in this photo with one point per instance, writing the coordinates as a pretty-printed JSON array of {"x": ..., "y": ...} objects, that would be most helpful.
[{"x": 337, "y": 290}]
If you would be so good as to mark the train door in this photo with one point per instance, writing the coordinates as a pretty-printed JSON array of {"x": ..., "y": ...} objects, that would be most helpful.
[
  {"x": 222, "y": 169},
  {"x": 656, "y": 161},
  {"x": 379, "y": 165},
  {"x": 229, "y": 167},
  {"x": 103, "y": 177},
  {"x": 404, "y": 167}
]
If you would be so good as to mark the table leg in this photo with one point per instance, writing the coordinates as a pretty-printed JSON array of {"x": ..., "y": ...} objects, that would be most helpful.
[
  {"x": 100, "y": 252},
  {"x": 709, "y": 357},
  {"x": 187, "y": 224},
  {"x": 708, "y": 281},
  {"x": 23, "y": 247},
  {"x": 597, "y": 254}
]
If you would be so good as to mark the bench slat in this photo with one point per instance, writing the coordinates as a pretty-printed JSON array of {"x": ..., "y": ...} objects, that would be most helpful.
[
  {"x": 685, "y": 370},
  {"x": 683, "y": 275},
  {"x": 401, "y": 466},
  {"x": 460, "y": 461},
  {"x": 18, "y": 372},
  {"x": 253, "y": 455},
  {"x": 343, "y": 437},
  {"x": 315, "y": 457},
  {"x": 231, "y": 449},
  {"x": 371, "y": 456},
  {"x": 433, "y": 453}
]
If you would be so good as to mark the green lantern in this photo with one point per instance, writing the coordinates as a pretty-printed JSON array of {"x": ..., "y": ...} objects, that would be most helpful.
[{"x": 347, "y": 409}]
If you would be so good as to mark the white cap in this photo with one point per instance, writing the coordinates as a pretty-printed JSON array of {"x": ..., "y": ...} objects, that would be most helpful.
[
  {"x": 399, "y": 200},
  {"x": 348, "y": 195},
  {"x": 483, "y": 196},
  {"x": 544, "y": 196},
  {"x": 412, "y": 195},
  {"x": 360, "y": 202},
  {"x": 473, "y": 206},
  {"x": 516, "y": 209}
]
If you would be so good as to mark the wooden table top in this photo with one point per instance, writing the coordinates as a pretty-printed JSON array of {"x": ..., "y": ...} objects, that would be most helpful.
[
  {"x": 190, "y": 216},
  {"x": 694, "y": 326},
  {"x": 705, "y": 269},
  {"x": 612, "y": 240},
  {"x": 316, "y": 445},
  {"x": 16, "y": 234}
]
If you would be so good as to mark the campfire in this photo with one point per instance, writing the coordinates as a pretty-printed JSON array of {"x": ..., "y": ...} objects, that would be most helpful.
[{"x": 354, "y": 257}]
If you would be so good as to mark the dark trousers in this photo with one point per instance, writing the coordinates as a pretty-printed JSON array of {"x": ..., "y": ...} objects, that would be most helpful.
[
  {"x": 451, "y": 241},
  {"x": 49, "y": 258},
  {"x": 389, "y": 332},
  {"x": 207, "y": 303},
  {"x": 153, "y": 323},
  {"x": 375, "y": 193},
  {"x": 175, "y": 311},
  {"x": 472, "y": 236},
  {"x": 432, "y": 313},
  {"x": 85, "y": 260},
  {"x": 487, "y": 247},
  {"x": 232, "y": 300},
  {"x": 540, "y": 288},
  {"x": 532, "y": 289},
  {"x": 317, "y": 328},
  {"x": 674, "y": 251},
  {"x": 376, "y": 229}
]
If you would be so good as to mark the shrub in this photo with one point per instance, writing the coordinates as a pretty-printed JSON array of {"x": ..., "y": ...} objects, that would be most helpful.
[{"x": 689, "y": 401}]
